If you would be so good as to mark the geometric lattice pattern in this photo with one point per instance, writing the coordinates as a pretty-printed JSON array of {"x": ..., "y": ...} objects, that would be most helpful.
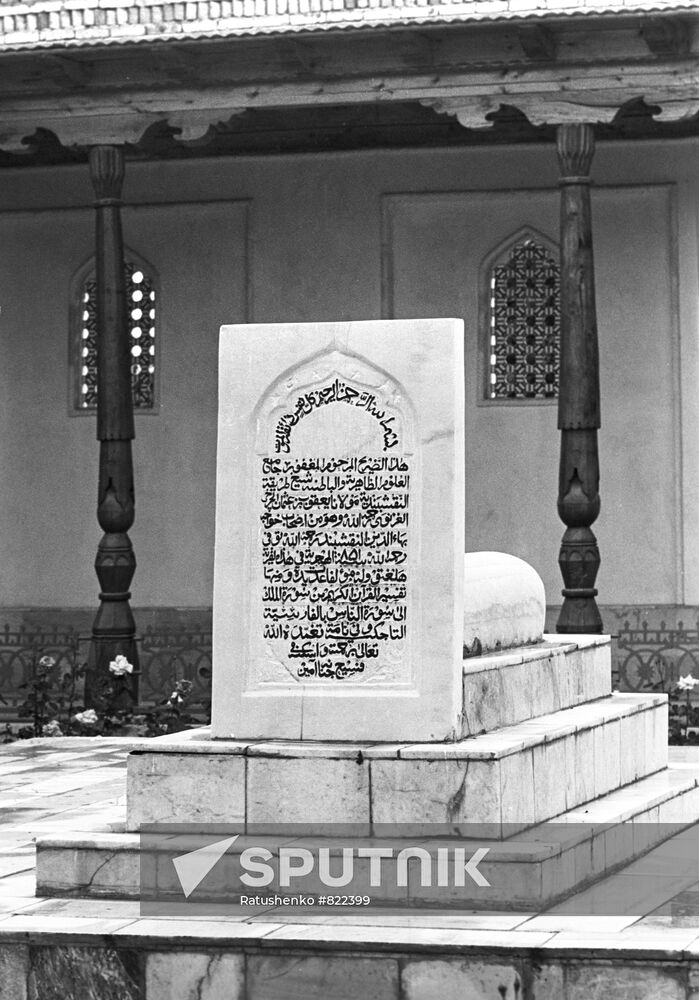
[
  {"x": 524, "y": 324},
  {"x": 166, "y": 654},
  {"x": 141, "y": 309}
]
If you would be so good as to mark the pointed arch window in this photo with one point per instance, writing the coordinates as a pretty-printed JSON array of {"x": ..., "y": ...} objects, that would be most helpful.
[
  {"x": 522, "y": 279},
  {"x": 142, "y": 308}
]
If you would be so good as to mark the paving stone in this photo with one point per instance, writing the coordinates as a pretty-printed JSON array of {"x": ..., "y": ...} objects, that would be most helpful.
[
  {"x": 58, "y": 973},
  {"x": 194, "y": 976},
  {"x": 224, "y": 931},
  {"x": 453, "y": 980},
  {"x": 35, "y": 928},
  {"x": 126, "y": 909},
  {"x": 456, "y": 979},
  {"x": 606, "y": 981},
  {"x": 14, "y": 904},
  {"x": 693, "y": 981},
  {"x": 50, "y": 787},
  {"x": 14, "y": 967},
  {"x": 544, "y": 982},
  {"x": 18, "y": 859},
  {"x": 637, "y": 941},
  {"x": 21, "y": 884},
  {"x": 282, "y": 977},
  {"x": 403, "y": 938}
]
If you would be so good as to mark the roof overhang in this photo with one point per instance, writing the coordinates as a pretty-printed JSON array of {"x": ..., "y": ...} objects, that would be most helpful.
[{"x": 554, "y": 69}]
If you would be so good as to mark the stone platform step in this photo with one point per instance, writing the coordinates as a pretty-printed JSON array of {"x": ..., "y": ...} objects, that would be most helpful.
[
  {"x": 502, "y": 689},
  {"x": 530, "y": 870},
  {"x": 81, "y": 949},
  {"x": 506, "y": 780}
]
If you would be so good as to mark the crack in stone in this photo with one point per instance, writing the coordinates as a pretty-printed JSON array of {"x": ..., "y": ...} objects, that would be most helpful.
[
  {"x": 110, "y": 857},
  {"x": 455, "y": 803},
  {"x": 206, "y": 978},
  {"x": 438, "y": 435}
]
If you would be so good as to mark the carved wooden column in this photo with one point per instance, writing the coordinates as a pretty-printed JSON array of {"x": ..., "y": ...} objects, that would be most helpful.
[
  {"x": 579, "y": 395},
  {"x": 114, "y": 627}
]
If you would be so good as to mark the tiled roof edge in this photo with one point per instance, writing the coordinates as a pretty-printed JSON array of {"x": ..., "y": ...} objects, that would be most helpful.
[{"x": 60, "y": 23}]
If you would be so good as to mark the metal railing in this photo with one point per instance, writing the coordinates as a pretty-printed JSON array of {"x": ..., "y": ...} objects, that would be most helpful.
[
  {"x": 166, "y": 655},
  {"x": 655, "y": 658},
  {"x": 643, "y": 658}
]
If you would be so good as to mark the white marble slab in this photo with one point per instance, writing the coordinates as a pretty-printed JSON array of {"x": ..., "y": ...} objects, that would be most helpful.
[
  {"x": 338, "y": 583},
  {"x": 505, "y": 603},
  {"x": 504, "y": 689}
]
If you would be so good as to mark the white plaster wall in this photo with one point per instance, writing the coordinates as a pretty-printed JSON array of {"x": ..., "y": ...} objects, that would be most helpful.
[
  {"x": 436, "y": 243},
  {"x": 49, "y": 457},
  {"x": 314, "y": 252}
]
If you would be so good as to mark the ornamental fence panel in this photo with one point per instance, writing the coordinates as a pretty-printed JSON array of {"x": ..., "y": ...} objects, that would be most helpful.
[
  {"x": 21, "y": 648},
  {"x": 654, "y": 658},
  {"x": 644, "y": 658},
  {"x": 165, "y": 656}
]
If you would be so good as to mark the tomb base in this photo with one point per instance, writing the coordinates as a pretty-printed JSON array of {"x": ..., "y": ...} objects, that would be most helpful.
[
  {"x": 577, "y": 790},
  {"x": 506, "y": 780},
  {"x": 529, "y": 871},
  {"x": 542, "y": 734}
]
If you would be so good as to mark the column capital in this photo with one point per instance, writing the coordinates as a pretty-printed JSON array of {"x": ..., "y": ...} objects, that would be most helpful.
[
  {"x": 107, "y": 173},
  {"x": 575, "y": 145}
]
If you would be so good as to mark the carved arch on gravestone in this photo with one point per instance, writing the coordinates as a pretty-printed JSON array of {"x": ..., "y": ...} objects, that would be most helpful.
[
  {"x": 147, "y": 400},
  {"x": 496, "y": 256},
  {"x": 310, "y": 375},
  {"x": 320, "y": 371}
]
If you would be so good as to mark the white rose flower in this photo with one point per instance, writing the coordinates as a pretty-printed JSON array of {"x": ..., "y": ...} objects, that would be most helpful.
[
  {"x": 687, "y": 683},
  {"x": 120, "y": 666},
  {"x": 86, "y": 718}
]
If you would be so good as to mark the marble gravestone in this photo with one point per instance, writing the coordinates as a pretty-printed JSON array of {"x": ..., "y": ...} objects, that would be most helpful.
[{"x": 338, "y": 583}]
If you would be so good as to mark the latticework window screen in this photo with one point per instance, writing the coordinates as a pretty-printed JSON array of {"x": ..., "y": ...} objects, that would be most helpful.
[
  {"x": 141, "y": 311},
  {"x": 524, "y": 323}
]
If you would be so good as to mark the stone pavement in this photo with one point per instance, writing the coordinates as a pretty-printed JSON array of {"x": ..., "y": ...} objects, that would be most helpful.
[{"x": 82, "y": 949}]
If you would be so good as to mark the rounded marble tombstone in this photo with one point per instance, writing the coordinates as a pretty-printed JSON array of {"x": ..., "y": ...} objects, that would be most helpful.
[{"x": 504, "y": 602}]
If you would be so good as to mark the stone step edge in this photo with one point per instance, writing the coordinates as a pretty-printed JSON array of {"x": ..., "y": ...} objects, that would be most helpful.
[
  {"x": 509, "y": 739},
  {"x": 554, "y": 861},
  {"x": 648, "y": 793},
  {"x": 626, "y": 952},
  {"x": 523, "y": 684},
  {"x": 550, "y": 645},
  {"x": 621, "y": 805},
  {"x": 533, "y": 732}
]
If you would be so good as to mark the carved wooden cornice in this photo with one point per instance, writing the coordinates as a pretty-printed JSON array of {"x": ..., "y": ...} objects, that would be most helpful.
[
  {"x": 570, "y": 107},
  {"x": 560, "y": 72},
  {"x": 87, "y": 126}
]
